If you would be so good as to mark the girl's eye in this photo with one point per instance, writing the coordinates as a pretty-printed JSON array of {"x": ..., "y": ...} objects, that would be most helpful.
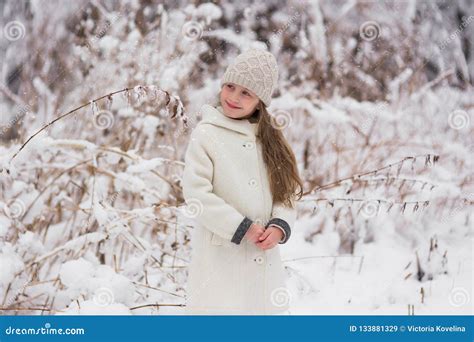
[
  {"x": 245, "y": 93},
  {"x": 230, "y": 86}
]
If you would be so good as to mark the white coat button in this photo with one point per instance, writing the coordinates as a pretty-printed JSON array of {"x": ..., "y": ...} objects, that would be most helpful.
[
  {"x": 253, "y": 182},
  {"x": 259, "y": 260},
  {"x": 249, "y": 145}
]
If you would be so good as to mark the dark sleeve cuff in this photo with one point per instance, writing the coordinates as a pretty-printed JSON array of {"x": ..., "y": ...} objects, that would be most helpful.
[
  {"x": 283, "y": 224},
  {"x": 241, "y": 230}
]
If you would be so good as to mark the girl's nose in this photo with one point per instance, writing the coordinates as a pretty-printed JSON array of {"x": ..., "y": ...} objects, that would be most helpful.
[{"x": 233, "y": 101}]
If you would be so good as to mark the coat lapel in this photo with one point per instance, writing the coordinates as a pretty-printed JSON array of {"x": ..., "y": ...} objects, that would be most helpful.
[{"x": 216, "y": 117}]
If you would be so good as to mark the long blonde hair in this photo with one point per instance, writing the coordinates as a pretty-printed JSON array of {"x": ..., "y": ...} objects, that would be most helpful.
[{"x": 279, "y": 158}]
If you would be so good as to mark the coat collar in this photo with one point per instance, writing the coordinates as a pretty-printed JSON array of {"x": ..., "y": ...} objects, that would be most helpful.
[{"x": 215, "y": 116}]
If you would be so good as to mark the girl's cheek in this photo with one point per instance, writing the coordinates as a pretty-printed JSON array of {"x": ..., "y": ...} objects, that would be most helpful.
[{"x": 246, "y": 101}]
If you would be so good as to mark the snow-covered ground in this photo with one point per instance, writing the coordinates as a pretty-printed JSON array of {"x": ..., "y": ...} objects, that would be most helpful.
[{"x": 376, "y": 101}]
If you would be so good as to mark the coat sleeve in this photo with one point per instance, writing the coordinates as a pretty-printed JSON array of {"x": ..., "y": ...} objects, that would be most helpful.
[
  {"x": 283, "y": 239},
  {"x": 284, "y": 217},
  {"x": 208, "y": 209}
]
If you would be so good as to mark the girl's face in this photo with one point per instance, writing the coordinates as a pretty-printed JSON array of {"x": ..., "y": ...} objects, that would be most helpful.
[{"x": 238, "y": 102}]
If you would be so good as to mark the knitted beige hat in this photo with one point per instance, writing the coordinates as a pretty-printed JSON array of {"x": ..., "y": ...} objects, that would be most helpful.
[{"x": 256, "y": 70}]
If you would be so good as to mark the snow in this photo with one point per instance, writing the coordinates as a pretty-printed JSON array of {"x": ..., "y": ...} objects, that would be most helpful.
[
  {"x": 108, "y": 44},
  {"x": 100, "y": 208},
  {"x": 241, "y": 42},
  {"x": 72, "y": 272},
  {"x": 124, "y": 181},
  {"x": 145, "y": 165},
  {"x": 73, "y": 143},
  {"x": 106, "y": 289},
  {"x": 89, "y": 307},
  {"x": 28, "y": 245},
  {"x": 321, "y": 111},
  {"x": 373, "y": 279},
  {"x": 11, "y": 263},
  {"x": 209, "y": 11}
]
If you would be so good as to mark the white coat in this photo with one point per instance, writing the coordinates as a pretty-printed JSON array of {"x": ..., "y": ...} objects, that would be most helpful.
[{"x": 226, "y": 188}]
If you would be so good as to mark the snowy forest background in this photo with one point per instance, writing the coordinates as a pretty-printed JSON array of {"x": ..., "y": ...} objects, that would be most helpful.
[{"x": 375, "y": 97}]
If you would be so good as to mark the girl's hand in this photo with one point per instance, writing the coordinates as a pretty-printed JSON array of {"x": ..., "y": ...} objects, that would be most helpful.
[
  {"x": 254, "y": 232},
  {"x": 270, "y": 238}
]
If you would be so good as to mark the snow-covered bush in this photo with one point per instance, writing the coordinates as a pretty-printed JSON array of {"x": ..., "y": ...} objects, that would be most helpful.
[{"x": 98, "y": 98}]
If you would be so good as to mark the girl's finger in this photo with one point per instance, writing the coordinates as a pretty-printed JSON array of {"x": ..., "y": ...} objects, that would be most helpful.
[
  {"x": 264, "y": 235},
  {"x": 270, "y": 237},
  {"x": 268, "y": 243}
]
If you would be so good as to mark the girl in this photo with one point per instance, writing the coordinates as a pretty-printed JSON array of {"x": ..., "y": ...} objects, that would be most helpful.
[{"x": 239, "y": 184}]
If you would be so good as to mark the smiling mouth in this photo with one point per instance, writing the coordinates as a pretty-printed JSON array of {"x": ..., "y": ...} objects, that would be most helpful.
[{"x": 231, "y": 106}]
